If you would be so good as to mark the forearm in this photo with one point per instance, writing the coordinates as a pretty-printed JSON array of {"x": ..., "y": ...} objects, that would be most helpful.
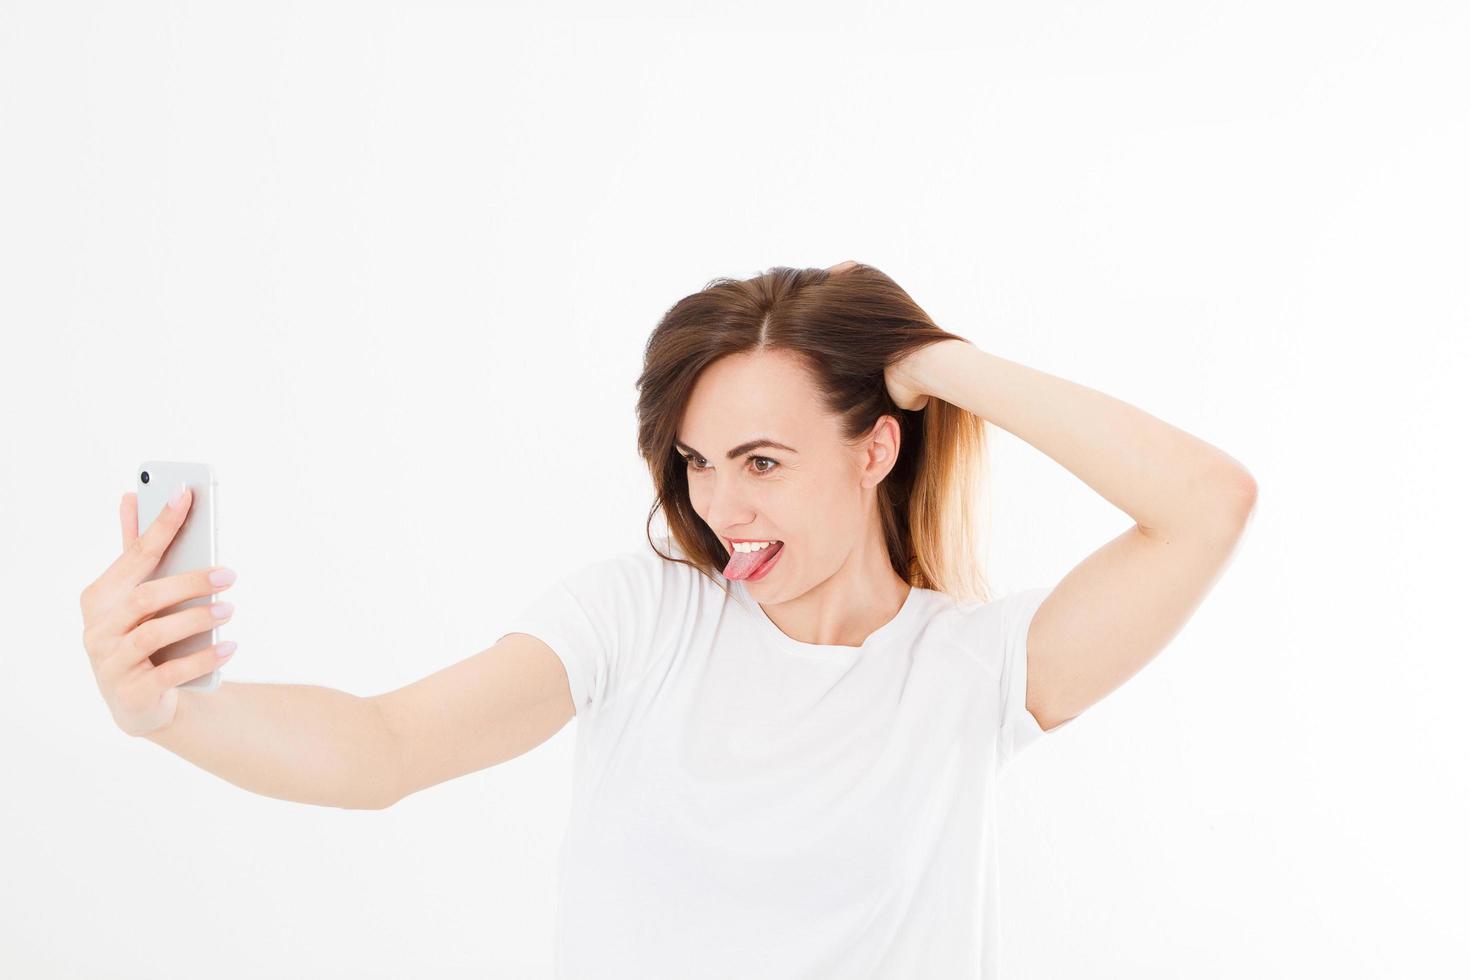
[
  {"x": 1167, "y": 480},
  {"x": 294, "y": 742}
]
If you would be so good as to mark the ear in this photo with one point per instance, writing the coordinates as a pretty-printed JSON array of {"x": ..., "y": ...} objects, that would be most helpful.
[{"x": 879, "y": 451}]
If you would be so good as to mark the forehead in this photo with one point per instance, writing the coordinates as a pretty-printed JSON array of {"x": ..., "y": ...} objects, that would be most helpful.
[{"x": 747, "y": 395}]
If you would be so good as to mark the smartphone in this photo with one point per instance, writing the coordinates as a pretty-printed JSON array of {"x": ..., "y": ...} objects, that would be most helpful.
[{"x": 194, "y": 547}]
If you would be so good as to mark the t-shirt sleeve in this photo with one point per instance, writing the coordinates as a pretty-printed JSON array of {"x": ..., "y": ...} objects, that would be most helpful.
[
  {"x": 1018, "y": 727},
  {"x": 598, "y": 620}
]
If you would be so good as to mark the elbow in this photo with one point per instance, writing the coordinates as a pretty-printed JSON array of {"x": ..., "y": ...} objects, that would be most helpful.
[
  {"x": 1244, "y": 491},
  {"x": 1232, "y": 502}
]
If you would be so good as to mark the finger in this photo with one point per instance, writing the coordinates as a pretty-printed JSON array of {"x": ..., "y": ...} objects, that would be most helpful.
[
  {"x": 128, "y": 514},
  {"x": 145, "y": 600},
  {"x": 842, "y": 266},
  {"x": 104, "y": 592},
  {"x": 142, "y": 554},
  {"x": 172, "y": 673},
  {"x": 155, "y": 634}
]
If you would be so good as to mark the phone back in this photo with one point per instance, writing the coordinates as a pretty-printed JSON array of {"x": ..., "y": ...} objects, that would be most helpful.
[{"x": 193, "y": 547}]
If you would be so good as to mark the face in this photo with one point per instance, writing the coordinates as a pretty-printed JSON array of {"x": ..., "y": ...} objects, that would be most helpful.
[{"x": 813, "y": 492}]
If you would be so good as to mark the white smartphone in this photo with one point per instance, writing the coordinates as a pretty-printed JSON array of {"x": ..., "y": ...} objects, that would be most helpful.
[{"x": 194, "y": 547}]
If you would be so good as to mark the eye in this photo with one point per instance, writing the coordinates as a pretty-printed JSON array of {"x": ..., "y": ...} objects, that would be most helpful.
[{"x": 700, "y": 467}]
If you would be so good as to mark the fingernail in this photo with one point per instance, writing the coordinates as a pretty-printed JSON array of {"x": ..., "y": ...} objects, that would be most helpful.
[
  {"x": 177, "y": 498},
  {"x": 222, "y": 576},
  {"x": 221, "y": 610},
  {"x": 226, "y": 648}
]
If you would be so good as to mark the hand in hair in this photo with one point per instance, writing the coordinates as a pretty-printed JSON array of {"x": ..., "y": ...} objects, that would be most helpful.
[{"x": 904, "y": 385}]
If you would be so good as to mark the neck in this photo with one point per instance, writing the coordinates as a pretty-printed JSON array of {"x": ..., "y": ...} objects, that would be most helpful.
[{"x": 864, "y": 594}]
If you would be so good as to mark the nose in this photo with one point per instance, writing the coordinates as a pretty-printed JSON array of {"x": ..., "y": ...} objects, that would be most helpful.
[{"x": 726, "y": 508}]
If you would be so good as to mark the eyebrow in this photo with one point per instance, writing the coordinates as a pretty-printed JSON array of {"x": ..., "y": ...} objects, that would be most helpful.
[{"x": 741, "y": 449}]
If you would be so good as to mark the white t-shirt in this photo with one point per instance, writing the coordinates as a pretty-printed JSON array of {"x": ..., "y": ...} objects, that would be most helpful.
[{"x": 747, "y": 805}]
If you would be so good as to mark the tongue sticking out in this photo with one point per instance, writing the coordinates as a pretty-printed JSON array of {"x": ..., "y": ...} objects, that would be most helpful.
[{"x": 744, "y": 564}]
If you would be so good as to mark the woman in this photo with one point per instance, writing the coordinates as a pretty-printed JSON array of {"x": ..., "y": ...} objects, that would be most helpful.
[{"x": 793, "y": 712}]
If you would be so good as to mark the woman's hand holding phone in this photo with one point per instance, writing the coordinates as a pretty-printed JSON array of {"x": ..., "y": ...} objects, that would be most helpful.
[{"x": 120, "y": 633}]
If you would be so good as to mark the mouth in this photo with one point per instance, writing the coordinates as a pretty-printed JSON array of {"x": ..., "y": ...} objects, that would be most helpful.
[{"x": 749, "y": 565}]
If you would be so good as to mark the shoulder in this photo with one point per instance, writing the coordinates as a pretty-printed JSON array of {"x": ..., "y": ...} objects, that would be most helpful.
[
  {"x": 998, "y": 607},
  {"x": 635, "y": 573},
  {"x": 987, "y": 627}
]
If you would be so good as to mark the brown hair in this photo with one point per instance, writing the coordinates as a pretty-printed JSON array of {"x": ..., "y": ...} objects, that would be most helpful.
[{"x": 846, "y": 327}]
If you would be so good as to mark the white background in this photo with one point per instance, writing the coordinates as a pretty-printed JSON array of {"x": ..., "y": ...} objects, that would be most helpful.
[{"x": 390, "y": 267}]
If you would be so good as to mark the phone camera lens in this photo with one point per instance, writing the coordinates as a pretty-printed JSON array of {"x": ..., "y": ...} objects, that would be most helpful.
[{"x": 145, "y": 476}]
